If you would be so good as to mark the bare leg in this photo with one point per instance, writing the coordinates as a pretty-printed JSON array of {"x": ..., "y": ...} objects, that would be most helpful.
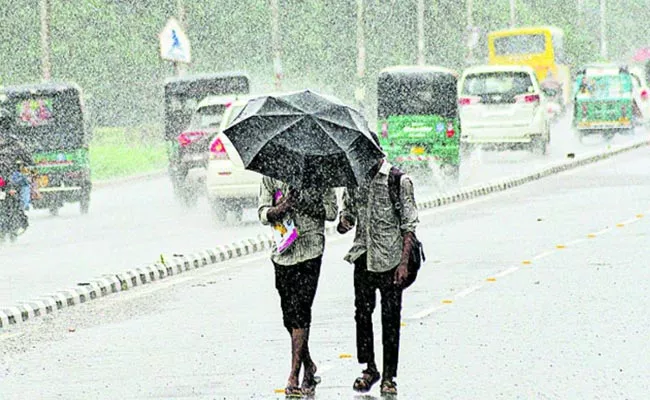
[{"x": 298, "y": 340}]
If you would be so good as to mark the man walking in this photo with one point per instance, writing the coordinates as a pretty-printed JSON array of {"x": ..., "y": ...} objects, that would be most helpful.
[
  {"x": 297, "y": 268},
  {"x": 385, "y": 214}
]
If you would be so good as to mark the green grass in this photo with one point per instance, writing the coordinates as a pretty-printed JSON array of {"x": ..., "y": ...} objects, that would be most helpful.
[{"x": 117, "y": 152}]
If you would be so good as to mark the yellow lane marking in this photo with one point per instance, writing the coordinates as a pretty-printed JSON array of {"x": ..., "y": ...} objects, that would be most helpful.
[
  {"x": 526, "y": 262},
  {"x": 447, "y": 301},
  {"x": 491, "y": 279},
  {"x": 345, "y": 355},
  {"x": 560, "y": 246}
]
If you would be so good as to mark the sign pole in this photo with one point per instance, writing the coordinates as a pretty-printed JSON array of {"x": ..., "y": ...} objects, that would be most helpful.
[{"x": 180, "y": 10}]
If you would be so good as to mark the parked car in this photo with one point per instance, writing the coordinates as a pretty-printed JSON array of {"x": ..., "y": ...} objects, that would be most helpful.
[{"x": 503, "y": 107}]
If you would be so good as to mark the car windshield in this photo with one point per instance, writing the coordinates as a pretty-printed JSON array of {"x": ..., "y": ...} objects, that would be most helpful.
[
  {"x": 50, "y": 122},
  {"x": 417, "y": 95},
  {"x": 511, "y": 83},
  {"x": 520, "y": 44},
  {"x": 208, "y": 116}
]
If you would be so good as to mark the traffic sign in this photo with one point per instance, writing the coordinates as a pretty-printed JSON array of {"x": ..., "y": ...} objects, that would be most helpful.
[{"x": 174, "y": 44}]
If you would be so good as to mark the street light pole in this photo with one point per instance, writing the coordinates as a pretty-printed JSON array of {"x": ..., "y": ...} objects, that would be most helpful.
[
  {"x": 275, "y": 43},
  {"x": 421, "y": 58},
  {"x": 603, "y": 30},
  {"x": 512, "y": 14},
  {"x": 470, "y": 30},
  {"x": 359, "y": 93},
  {"x": 46, "y": 64}
]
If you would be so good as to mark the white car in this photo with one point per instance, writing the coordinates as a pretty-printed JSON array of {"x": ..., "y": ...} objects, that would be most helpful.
[
  {"x": 204, "y": 124},
  {"x": 229, "y": 186},
  {"x": 502, "y": 107}
]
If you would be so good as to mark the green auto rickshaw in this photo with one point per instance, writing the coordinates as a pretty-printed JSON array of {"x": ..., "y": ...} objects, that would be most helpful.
[
  {"x": 604, "y": 101},
  {"x": 417, "y": 115},
  {"x": 52, "y": 123}
]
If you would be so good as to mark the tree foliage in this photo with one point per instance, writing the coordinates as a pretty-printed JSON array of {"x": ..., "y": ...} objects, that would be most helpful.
[{"x": 110, "y": 47}]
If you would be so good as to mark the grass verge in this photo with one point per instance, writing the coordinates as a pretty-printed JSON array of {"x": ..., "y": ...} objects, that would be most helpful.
[{"x": 117, "y": 152}]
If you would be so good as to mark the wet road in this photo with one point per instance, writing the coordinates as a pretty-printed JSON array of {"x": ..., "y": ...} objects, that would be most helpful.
[
  {"x": 539, "y": 292},
  {"x": 131, "y": 224}
]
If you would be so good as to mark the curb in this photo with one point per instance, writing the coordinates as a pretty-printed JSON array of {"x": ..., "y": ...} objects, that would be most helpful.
[{"x": 178, "y": 264}]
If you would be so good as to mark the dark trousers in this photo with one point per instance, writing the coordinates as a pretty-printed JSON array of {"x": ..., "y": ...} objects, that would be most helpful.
[
  {"x": 296, "y": 285},
  {"x": 366, "y": 284}
]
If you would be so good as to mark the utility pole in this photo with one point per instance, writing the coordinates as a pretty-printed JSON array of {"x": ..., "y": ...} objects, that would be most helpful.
[
  {"x": 603, "y": 30},
  {"x": 46, "y": 63},
  {"x": 512, "y": 14},
  {"x": 360, "y": 92},
  {"x": 470, "y": 30},
  {"x": 421, "y": 60},
  {"x": 275, "y": 43}
]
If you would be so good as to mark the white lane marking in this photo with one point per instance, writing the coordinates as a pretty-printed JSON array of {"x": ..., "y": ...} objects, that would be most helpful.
[
  {"x": 506, "y": 272},
  {"x": 7, "y": 336},
  {"x": 577, "y": 241},
  {"x": 543, "y": 255},
  {"x": 468, "y": 291},
  {"x": 426, "y": 313},
  {"x": 602, "y": 231}
]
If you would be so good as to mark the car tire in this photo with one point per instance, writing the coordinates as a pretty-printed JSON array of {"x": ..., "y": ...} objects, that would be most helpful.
[
  {"x": 219, "y": 209},
  {"x": 539, "y": 146}
]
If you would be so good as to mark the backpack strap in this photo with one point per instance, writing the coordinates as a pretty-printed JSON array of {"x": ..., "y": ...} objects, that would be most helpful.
[{"x": 395, "y": 189}]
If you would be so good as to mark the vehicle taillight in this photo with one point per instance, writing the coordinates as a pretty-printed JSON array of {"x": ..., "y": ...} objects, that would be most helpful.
[
  {"x": 644, "y": 94},
  {"x": 466, "y": 101},
  {"x": 584, "y": 110},
  {"x": 384, "y": 129},
  {"x": 527, "y": 98},
  {"x": 450, "y": 130},
  {"x": 187, "y": 138},
  {"x": 3, "y": 183},
  {"x": 218, "y": 150}
]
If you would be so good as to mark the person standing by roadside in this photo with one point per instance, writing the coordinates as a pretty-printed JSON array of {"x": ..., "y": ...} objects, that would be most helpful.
[
  {"x": 385, "y": 235},
  {"x": 297, "y": 268}
]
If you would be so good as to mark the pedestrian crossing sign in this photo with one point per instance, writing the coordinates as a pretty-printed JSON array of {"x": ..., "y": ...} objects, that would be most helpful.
[{"x": 174, "y": 44}]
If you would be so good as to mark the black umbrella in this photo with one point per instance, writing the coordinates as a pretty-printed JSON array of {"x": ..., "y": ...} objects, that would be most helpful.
[{"x": 305, "y": 139}]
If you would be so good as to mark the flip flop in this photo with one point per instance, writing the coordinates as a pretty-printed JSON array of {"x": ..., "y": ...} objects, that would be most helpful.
[
  {"x": 364, "y": 383},
  {"x": 293, "y": 392},
  {"x": 309, "y": 386}
]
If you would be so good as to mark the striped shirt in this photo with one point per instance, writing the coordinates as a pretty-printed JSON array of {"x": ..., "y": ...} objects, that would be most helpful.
[
  {"x": 379, "y": 229},
  {"x": 311, "y": 231}
]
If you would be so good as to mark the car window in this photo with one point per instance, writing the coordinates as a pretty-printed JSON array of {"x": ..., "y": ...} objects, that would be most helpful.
[
  {"x": 208, "y": 116},
  {"x": 512, "y": 83}
]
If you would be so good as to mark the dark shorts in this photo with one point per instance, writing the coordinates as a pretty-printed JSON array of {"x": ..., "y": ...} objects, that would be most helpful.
[{"x": 297, "y": 285}]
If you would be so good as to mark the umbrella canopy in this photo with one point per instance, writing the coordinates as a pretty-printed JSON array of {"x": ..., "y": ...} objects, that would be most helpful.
[{"x": 305, "y": 139}]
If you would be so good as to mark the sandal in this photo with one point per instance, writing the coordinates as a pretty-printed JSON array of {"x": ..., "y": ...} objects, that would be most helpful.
[
  {"x": 309, "y": 385},
  {"x": 388, "y": 386},
  {"x": 293, "y": 392},
  {"x": 364, "y": 383}
]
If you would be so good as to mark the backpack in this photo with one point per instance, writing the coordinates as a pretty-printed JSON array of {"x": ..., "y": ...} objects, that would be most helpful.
[{"x": 417, "y": 257}]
